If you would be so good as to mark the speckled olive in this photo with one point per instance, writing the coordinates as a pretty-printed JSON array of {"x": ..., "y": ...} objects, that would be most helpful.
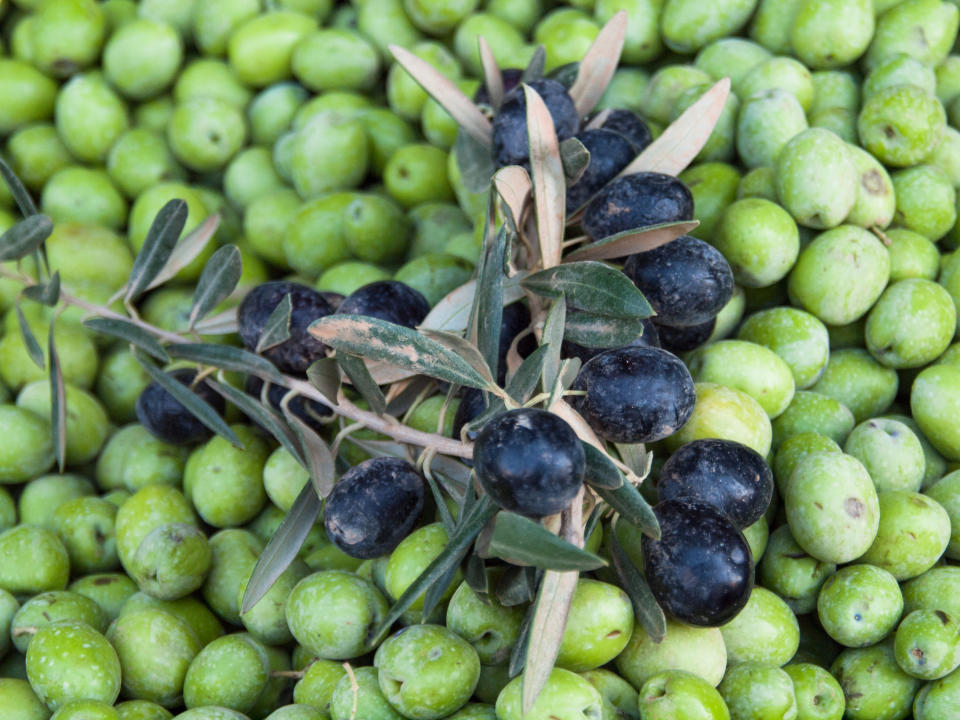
[{"x": 637, "y": 200}]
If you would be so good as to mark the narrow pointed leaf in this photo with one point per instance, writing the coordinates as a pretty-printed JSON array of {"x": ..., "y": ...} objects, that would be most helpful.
[
  {"x": 403, "y": 400},
  {"x": 597, "y": 67},
  {"x": 633, "y": 507},
  {"x": 434, "y": 594},
  {"x": 598, "y": 119},
  {"x": 324, "y": 375},
  {"x": 161, "y": 238},
  {"x": 380, "y": 340},
  {"x": 537, "y": 65},
  {"x": 224, "y": 323},
  {"x": 58, "y": 404},
  {"x": 197, "y": 406},
  {"x": 465, "y": 350},
  {"x": 320, "y": 463},
  {"x": 283, "y": 546},
  {"x": 680, "y": 142},
  {"x": 513, "y": 185},
  {"x": 635, "y": 457},
  {"x": 276, "y": 329},
  {"x": 186, "y": 251},
  {"x": 452, "y": 313},
  {"x": 518, "y": 657},
  {"x": 489, "y": 303},
  {"x": 522, "y": 541},
  {"x": 568, "y": 374},
  {"x": 546, "y": 632},
  {"x": 25, "y": 237},
  {"x": 130, "y": 332},
  {"x": 601, "y": 472},
  {"x": 218, "y": 280},
  {"x": 575, "y": 420},
  {"x": 29, "y": 340},
  {"x": 475, "y": 573},
  {"x": 492, "y": 77},
  {"x": 362, "y": 381},
  {"x": 631, "y": 241},
  {"x": 645, "y": 606},
  {"x": 263, "y": 416},
  {"x": 517, "y": 586},
  {"x": 601, "y": 331},
  {"x": 552, "y": 337},
  {"x": 227, "y": 357},
  {"x": 475, "y": 162},
  {"x": 47, "y": 293},
  {"x": 523, "y": 382},
  {"x": 467, "y": 115},
  {"x": 17, "y": 189},
  {"x": 575, "y": 158},
  {"x": 451, "y": 555},
  {"x": 549, "y": 194},
  {"x": 593, "y": 287},
  {"x": 449, "y": 524}
]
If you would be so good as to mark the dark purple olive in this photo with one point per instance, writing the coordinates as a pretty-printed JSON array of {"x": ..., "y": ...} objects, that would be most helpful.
[
  {"x": 510, "y": 144},
  {"x": 610, "y": 153},
  {"x": 388, "y": 300},
  {"x": 635, "y": 201},
  {"x": 631, "y": 126},
  {"x": 683, "y": 339},
  {"x": 166, "y": 418},
  {"x": 700, "y": 570}
]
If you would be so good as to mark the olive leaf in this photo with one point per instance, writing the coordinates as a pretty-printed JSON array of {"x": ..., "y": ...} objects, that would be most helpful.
[
  {"x": 683, "y": 139},
  {"x": 467, "y": 115},
  {"x": 17, "y": 190},
  {"x": 518, "y": 657},
  {"x": 488, "y": 306},
  {"x": 629, "y": 242},
  {"x": 474, "y": 161},
  {"x": 406, "y": 394},
  {"x": 601, "y": 471},
  {"x": 129, "y": 331},
  {"x": 475, "y": 573},
  {"x": 451, "y": 555},
  {"x": 409, "y": 349},
  {"x": 58, "y": 403},
  {"x": 549, "y": 194},
  {"x": 227, "y": 357},
  {"x": 262, "y": 416},
  {"x": 575, "y": 157},
  {"x": 324, "y": 375},
  {"x": 24, "y": 237},
  {"x": 276, "y": 329},
  {"x": 224, "y": 323},
  {"x": 449, "y": 524},
  {"x": 47, "y": 293},
  {"x": 517, "y": 586},
  {"x": 601, "y": 331},
  {"x": 598, "y": 64},
  {"x": 492, "y": 77},
  {"x": 187, "y": 250},
  {"x": 29, "y": 340},
  {"x": 195, "y": 405},
  {"x": 464, "y": 349},
  {"x": 632, "y": 506},
  {"x": 565, "y": 378},
  {"x": 592, "y": 287},
  {"x": 452, "y": 313},
  {"x": 635, "y": 457},
  {"x": 513, "y": 185},
  {"x": 283, "y": 546},
  {"x": 546, "y": 632},
  {"x": 219, "y": 278},
  {"x": 524, "y": 381},
  {"x": 362, "y": 381},
  {"x": 161, "y": 238},
  {"x": 552, "y": 338},
  {"x": 537, "y": 65},
  {"x": 522, "y": 541},
  {"x": 645, "y": 607},
  {"x": 320, "y": 463},
  {"x": 596, "y": 122}
]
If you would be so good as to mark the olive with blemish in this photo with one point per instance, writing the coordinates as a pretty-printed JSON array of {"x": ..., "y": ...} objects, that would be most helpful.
[{"x": 635, "y": 201}]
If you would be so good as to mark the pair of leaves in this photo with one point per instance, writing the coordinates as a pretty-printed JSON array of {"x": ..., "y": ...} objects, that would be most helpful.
[
  {"x": 522, "y": 541},
  {"x": 25, "y": 237}
]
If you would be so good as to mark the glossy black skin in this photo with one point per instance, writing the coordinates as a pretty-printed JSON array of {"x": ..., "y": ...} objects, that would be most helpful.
[
  {"x": 163, "y": 415},
  {"x": 683, "y": 339},
  {"x": 530, "y": 461},
  {"x": 511, "y": 78},
  {"x": 387, "y": 300},
  {"x": 515, "y": 319},
  {"x": 635, "y": 201},
  {"x": 649, "y": 338},
  {"x": 700, "y": 571},
  {"x": 373, "y": 507},
  {"x": 687, "y": 281},
  {"x": 510, "y": 143},
  {"x": 635, "y": 394},
  {"x": 610, "y": 152},
  {"x": 310, "y": 411},
  {"x": 301, "y": 350},
  {"x": 631, "y": 126},
  {"x": 470, "y": 407},
  {"x": 731, "y": 477}
]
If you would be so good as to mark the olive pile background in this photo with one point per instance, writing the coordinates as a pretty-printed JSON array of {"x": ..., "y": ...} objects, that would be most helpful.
[{"x": 829, "y": 184}]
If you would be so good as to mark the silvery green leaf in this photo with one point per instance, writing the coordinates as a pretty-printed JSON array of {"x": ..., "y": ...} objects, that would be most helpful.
[
  {"x": 601, "y": 472},
  {"x": 632, "y": 506},
  {"x": 197, "y": 406},
  {"x": 58, "y": 404},
  {"x": 465, "y": 349},
  {"x": 227, "y": 357},
  {"x": 635, "y": 457},
  {"x": 517, "y": 586},
  {"x": 25, "y": 237},
  {"x": 601, "y": 331},
  {"x": 283, "y": 546},
  {"x": 575, "y": 158},
  {"x": 524, "y": 381},
  {"x": 522, "y": 541},
  {"x": 161, "y": 238},
  {"x": 47, "y": 293},
  {"x": 324, "y": 375},
  {"x": 552, "y": 337},
  {"x": 645, "y": 606},
  {"x": 29, "y": 340},
  {"x": 276, "y": 329},
  {"x": 411, "y": 392},
  {"x": 218, "y": 279},
  {"x": 132, "y": 333},
  {"x": 362, "y": 381},
  {"x": 377, "y": 339},
  {"x": 592, "y": 287},
  {"x": 17, "y": 190},
  {"x": 187, "y": 250},
  {"x": 475, "y": 573},
  {"x": 319, "y": 459},
  {"x": 475, "y": 162},
  {"x": 489, "y": 302}
]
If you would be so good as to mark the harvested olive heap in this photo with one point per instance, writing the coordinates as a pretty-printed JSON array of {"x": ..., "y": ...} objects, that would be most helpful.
[{"x": 444, "y": 359}]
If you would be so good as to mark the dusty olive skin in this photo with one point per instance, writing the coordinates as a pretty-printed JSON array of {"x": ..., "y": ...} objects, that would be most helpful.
[
  {"x": 635, "y": 201},
  {"x": 510, "y": 145}
]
